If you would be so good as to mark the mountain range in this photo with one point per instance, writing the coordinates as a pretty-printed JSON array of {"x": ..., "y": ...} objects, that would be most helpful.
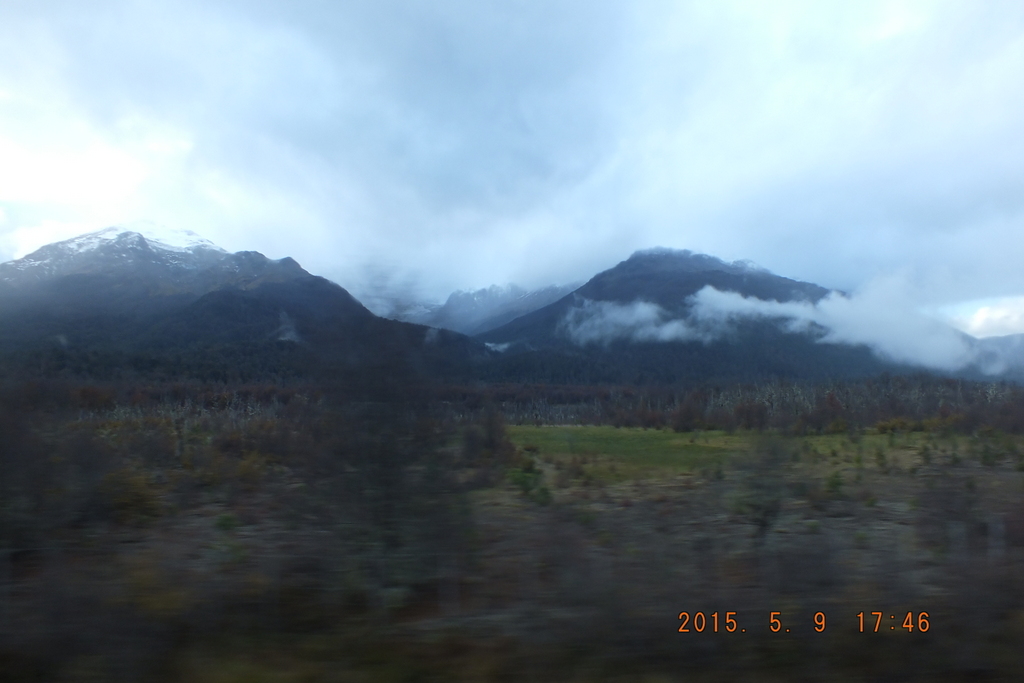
[{"x": 139, "y": 301}]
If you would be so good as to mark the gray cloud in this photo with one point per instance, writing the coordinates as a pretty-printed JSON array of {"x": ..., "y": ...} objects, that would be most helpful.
[{"x": 459, "y": 144}]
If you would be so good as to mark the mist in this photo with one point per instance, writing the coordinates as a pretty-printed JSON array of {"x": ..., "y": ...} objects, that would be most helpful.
[
  {"x": 606, "y": 321},
  {"x": 882, "y": 316}
]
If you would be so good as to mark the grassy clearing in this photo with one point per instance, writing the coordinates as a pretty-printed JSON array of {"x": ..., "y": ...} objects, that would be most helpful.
[
  {"x": 614, "y": 454},
  {"x": 632, "y": 451}
]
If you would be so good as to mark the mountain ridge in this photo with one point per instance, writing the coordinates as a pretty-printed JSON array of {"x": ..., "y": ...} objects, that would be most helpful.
[{"x": 114, "y": 302}]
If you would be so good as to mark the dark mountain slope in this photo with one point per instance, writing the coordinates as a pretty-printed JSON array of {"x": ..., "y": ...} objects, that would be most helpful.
[
  {"x": 659, "y": 276},
  {"x": 172, "y": 312},
  {"x": 667, "y": 277},
  {"x": 307, "y": 327},
  {"x": 539, "y": 348},
  {"x": 142, "y": 285},
  {"x": 755, "y": 351}
]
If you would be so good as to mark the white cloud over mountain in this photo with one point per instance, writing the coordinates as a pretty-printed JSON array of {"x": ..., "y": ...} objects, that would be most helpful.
[{"x": 879, "y": 316}]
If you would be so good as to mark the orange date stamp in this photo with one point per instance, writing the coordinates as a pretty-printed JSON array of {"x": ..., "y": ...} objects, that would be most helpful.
[{"x": 865, "y": 622}]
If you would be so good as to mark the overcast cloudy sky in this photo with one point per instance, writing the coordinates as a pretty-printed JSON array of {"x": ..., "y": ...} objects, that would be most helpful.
[{"x": 429, "y": 146}]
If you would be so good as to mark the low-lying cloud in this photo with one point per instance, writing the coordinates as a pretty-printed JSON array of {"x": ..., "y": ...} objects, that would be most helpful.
[
  {"x": 605, "y": 321},
  {"x": 880, "y": 316}
]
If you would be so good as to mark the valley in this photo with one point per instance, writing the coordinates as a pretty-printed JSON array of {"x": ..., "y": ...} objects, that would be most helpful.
[{"x": 219, "y": 467}]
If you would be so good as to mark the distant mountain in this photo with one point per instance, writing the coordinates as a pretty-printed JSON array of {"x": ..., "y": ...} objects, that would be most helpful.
[
  {"x": 172, "y": 304},
  {"x": 481, "y": 310},
  {"x": 656, "y": 288},
  {"x": 1004, "y": 354}
]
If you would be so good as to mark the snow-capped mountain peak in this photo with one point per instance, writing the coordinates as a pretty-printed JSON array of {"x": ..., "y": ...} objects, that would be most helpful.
[
  {"x": 139, "y": 259},
  {"x": 156, "y": 235},
  {"x": 136, "y": 247}
]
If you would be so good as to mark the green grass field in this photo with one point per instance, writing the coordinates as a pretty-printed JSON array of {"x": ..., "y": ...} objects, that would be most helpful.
[
  {"x": 637, "y": 450},
  {"x": 868, "y": 466},
  {"x": 640, "y": 452}
]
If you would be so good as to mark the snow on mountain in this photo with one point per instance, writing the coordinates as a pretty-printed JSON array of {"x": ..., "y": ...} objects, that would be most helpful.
[
  {"x": 131, "y": 246},
  {"x": 124, "y": 265},
  {"x": 156, "y": 236}
]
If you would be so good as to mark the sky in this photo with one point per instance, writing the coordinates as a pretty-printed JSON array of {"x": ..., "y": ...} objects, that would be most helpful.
[{"x": 414, "y": 148}]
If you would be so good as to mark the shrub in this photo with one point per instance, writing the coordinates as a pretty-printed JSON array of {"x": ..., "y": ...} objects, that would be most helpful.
[
  {"x": 838, "y": 426},
  {"x": 129, "y": 495}
]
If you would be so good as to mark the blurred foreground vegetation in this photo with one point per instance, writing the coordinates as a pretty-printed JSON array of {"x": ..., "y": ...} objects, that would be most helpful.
[{"x": 266, "y": 533}]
